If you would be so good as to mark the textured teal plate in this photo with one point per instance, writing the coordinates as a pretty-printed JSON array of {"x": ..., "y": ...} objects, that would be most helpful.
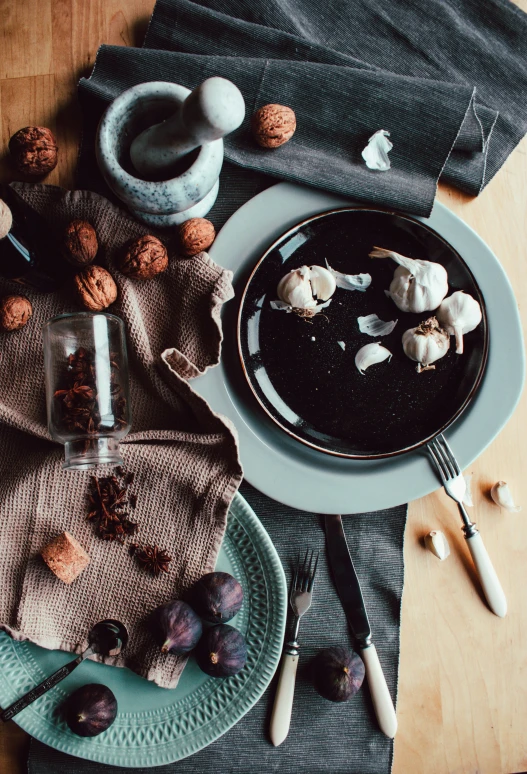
[{"x": 154, "y": 725}]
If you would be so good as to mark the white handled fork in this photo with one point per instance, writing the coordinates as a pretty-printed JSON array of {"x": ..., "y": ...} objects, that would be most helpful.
[{"x": 455, "y": 486}]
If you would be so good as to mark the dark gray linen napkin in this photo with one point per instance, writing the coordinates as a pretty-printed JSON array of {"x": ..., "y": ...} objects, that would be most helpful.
[
  {"x": 447, "y": 78},
  {"x": 324, "y": 737}
]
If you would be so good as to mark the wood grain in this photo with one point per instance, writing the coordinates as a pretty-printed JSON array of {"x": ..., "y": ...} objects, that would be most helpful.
[{"x": 463, "y": 676}]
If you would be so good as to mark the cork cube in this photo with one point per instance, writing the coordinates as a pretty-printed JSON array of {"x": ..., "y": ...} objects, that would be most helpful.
[{"x": 65, "y": 557}]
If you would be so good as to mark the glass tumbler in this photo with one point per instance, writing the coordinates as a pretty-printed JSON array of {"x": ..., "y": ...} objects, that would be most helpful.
[{"x": 87, "y": 387}]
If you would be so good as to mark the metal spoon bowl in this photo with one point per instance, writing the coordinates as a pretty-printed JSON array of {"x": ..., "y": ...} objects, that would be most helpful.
[{"x": 106, "y": 638}]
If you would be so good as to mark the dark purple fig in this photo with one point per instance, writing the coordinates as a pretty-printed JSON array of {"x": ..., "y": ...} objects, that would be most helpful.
[
  {"x": 90, "y": 710},
  {"x": 216, "y": 597},
  {"x": 222, "y": 651},
  {"x": 339, "y": 673},
  {"x": 176, "y": 627}
]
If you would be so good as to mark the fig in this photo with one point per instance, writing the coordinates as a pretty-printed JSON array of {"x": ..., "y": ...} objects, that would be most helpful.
[
  {"x": 216, "y": 597},
  {"x": 222, "y": 651},
  {"x": 339, "y": 673},
  {"x": 176, "y": 627},
  {"x": 90, "y": 710}
]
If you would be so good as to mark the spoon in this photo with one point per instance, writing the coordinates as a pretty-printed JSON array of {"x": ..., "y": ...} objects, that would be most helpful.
[{"x": 106, "y": 638}]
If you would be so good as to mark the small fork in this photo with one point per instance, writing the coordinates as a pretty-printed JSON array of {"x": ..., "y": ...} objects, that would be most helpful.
[
  {"x": 300, "y": 602},
  {"x": 455, "y": 487}
]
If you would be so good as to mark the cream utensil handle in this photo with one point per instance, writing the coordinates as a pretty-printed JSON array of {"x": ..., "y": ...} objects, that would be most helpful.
[
  {"x": 283, "y": 702},
  {"x": 382, "y": 701},
  {"x": 490, "y": 583}
]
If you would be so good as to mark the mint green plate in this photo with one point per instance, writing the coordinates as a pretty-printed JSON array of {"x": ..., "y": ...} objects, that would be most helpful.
[{"x": 154, "y": 725}]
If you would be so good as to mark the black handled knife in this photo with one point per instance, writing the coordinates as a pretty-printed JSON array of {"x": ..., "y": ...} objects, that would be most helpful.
[{"x": 350, "y": 594}]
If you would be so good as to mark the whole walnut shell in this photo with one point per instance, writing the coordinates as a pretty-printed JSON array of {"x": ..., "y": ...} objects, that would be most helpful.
[
  {"x": 34, "y": 150},
  {"x": 196, "y": 235},
  {"x": 144, "y": 258},
  {"x": 80, "y": 245},
  {"x": 273, "y": 125},
  {"x": 95, "y": 287},
  {"x": 15, "y": 312}
]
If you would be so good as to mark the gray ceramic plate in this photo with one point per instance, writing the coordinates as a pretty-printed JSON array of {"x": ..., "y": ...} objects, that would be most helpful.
[
  {"x": 308, "y": 479},
  {"x": 157, "y": 726}
]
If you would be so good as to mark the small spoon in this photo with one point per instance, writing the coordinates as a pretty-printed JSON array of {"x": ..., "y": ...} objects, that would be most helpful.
[{"x": 106, "y": 638}]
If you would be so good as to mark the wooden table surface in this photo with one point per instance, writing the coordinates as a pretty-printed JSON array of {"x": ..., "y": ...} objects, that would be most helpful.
[{"x": 462, "y": 704}]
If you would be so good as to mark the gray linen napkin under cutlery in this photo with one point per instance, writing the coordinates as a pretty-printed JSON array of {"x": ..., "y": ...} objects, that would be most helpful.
[{"x": 447, "y": 79}]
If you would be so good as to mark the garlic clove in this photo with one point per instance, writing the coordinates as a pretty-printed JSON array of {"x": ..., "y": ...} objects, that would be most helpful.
[
  {"x": 467, "y": 498},
  {"x": 350, "y": 281},
  {"x": 502, "y": 496},
  {"x": 425, "y": 344},
  {"x": 342, "y": 344},
  {"x": 322, "y": 282},
  {"x": 375, "y": 154},
  {"x": 371, "y": 354},
  {"x": 459, "y": 314},
  {"x": 437, "y": 543},
  {"x": 373, "y": 326}
]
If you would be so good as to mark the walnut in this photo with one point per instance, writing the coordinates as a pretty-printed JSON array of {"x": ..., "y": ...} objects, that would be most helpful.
[
  {"x": 79, "y": 244},
  {"x": 144, "y": 258},
  {"x": 196, "y": 235},
  {"x": 95, "y": 287},
  {"x": 273, "y": 125},
  {"x": 15, "y": 312},
  {"x": 34, "y": 150}
]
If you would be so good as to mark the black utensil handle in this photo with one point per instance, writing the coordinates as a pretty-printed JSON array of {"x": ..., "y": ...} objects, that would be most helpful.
[{"x": 39, "y": 690}]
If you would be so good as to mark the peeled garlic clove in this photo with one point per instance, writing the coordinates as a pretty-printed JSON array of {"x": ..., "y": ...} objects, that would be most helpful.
[
  {"x": 323, "y": 282},
  {"x": 417, "y": 286},
  {"x": 371, "y": 354},
  {"x": 459, "y": 314},
  {"x": 350, "y": 281},
  {"x": 374, "y": 326},
  {"x": 375, "y": 154},
  {"x": 467, "y": 498},
  {"x": 502, "y": 496},
  {"x": 426, "y": 344},
  {"x": 437, "y": 543}
]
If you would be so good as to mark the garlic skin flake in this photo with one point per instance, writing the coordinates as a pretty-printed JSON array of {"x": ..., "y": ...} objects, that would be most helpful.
[
  {"x": 426, "y": 344},
  {"x": 437, "y": 543},
  {"x": 417, "y": 286},
  {"x": 459, "y": 314},
  {"x": 373, "y": 326},
  {"x": 375, "y": 154},
  {"x": 350, "y": 281},
  {"x": 502, "y": 496},
  {"x": 300, "y": 291},
  {"x": 371, "y": 354}
]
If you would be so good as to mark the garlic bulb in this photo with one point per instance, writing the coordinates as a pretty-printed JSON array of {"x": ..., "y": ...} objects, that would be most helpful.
[
  {"x": 371, "y": 354},
  {"x": 300, "y": 290},
  {"x": 459, "y": 314},
  {"x": 502, "y": 496},
  {"x": 437, "y": 543},
  {"x": 375, "y": 154},
  {"x": 417, "y": 286},
  {"x": 426, "y": 344}
]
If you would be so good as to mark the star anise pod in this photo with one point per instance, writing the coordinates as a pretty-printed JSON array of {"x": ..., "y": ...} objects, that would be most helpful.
[{"x": 153, "y": 559}]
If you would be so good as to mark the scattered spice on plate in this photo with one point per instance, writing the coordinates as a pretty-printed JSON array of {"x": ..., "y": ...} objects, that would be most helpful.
[
  {"x": 108, "y": 499},
  {"x": 151, "y": 558}
]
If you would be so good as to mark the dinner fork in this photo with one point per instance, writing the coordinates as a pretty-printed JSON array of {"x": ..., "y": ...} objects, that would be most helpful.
[
  {"x": 455, "y": 486},
  {"x": 300, "y": 602}
]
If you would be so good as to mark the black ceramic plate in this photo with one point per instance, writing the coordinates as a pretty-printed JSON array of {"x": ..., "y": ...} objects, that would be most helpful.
[{"x": 310, "y": 386}]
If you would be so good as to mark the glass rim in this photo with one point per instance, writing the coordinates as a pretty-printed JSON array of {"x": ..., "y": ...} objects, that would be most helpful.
[{"x": 87, "y": 314}]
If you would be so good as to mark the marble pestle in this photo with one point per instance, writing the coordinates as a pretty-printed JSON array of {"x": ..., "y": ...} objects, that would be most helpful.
[{"x": 212, "y": 110}]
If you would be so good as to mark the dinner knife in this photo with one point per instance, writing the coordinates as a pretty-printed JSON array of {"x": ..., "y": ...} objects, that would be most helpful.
[{"x": 350, "y": 594}]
